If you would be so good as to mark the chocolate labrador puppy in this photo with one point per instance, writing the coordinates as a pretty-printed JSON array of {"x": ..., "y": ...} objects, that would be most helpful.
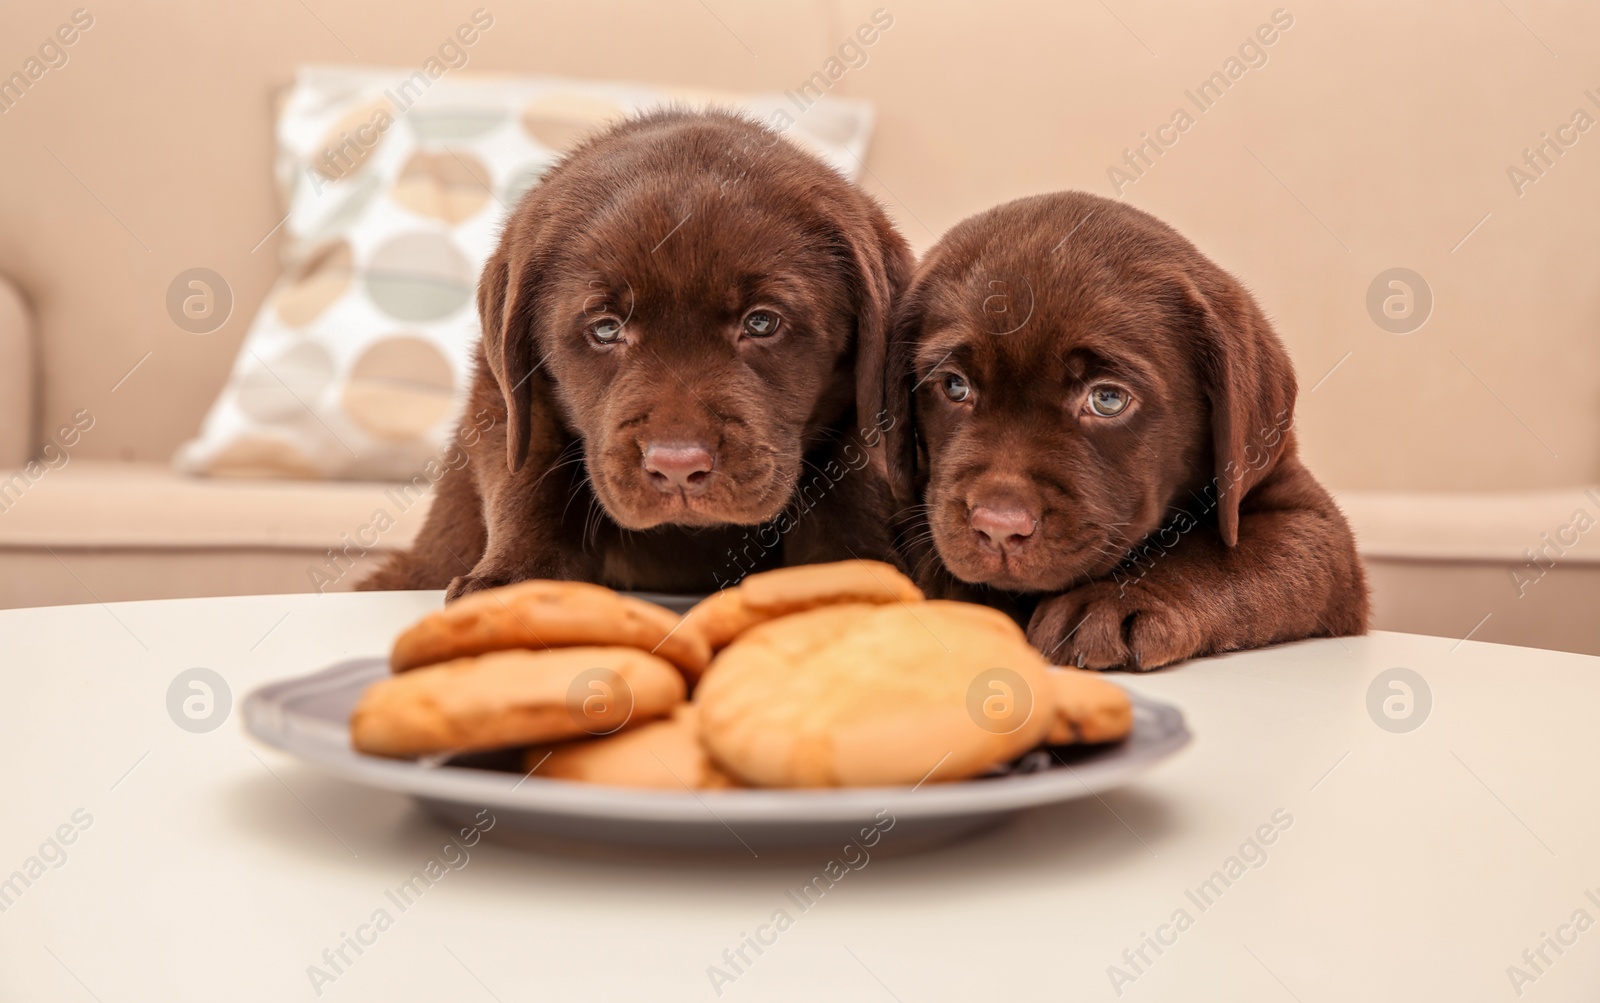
[
  {"x": 1097, "y": 422},
  {"x": 673, "y": 324}
]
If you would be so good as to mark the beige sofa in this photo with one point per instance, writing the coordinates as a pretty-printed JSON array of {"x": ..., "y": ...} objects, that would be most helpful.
[{"x": 1362, "y": 138}]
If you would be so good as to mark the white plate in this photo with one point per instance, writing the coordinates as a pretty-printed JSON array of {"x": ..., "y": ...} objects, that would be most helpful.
[{"x": 307, "y": 718}]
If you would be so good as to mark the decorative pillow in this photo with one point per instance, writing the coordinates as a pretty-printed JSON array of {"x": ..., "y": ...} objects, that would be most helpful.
[{"x": 397, "y": 185}]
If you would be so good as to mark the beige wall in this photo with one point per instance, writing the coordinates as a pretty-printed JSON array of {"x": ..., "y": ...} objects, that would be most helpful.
[{"x": 1390, "y": 123}]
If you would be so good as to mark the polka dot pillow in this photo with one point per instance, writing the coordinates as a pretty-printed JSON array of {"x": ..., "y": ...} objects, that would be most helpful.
[{"x": 397, "y": 184}]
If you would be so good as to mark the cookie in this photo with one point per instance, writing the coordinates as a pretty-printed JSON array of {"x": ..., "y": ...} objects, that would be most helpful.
[
  {"x": 721, "y": 617},
  {"x": 761, "y": 597},
  {"x": 664, "y": 754},
  {"x": 864, "y": 695},
  {"x": 547, "y": 614},
  {"x": 1089, "y": 708},
  {"x": 516, "y": 697}
]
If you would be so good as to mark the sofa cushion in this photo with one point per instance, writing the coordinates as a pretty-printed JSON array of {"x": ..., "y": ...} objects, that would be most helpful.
[
  {"x": 398, "y": 186},
  {"x": 1511, "y": 567},
  {"x": 107, "y": 505},
  {"x": 1449, "y": 565},
  {"x": 101, "y": 531},
  {"x": 100, "y": 503},
  {"x": 1509, "y": 526}
]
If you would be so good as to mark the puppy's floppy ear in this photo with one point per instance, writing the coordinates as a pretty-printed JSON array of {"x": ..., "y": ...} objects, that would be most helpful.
[
  {"x": 506, "y": 299},
  {"x": 880, "y": 261},
  {"x": 1250, "y": 384},
  {"x": 899, "y": 398}
]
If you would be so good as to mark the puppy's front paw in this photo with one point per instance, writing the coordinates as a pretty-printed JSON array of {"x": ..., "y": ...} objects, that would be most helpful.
[
  {"x": 465, "y": 585},
  {"x": 487, "y": 576},
  {"x": 1104, "y": 626}
]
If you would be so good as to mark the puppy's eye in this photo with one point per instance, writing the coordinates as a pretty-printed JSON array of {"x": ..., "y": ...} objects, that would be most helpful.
[
  {"x": 1108, "y": 401},
  {"x": 606, "y": 330},
  {"x": 955, "y": 387},
  {"x": 761, "y": 324}
]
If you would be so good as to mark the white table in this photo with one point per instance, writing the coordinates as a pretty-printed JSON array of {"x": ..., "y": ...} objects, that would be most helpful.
[{"x": 1418, "y": 866}]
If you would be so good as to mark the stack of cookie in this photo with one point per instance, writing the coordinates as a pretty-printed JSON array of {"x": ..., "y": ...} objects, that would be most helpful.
[
  {"x": 532, "y": 662},
  {"x": 816, "y": 676}
]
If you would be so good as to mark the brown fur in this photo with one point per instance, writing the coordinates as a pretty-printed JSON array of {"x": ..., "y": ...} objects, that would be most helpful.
[
  {"x": 676, "y": 225},
  {"x": 1186, "y": 524}
]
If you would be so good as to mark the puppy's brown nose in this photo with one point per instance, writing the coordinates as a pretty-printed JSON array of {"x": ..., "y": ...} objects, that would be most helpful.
[
  {"x": 678, "y": 466},
  {"x": 1002, "y": 529}
]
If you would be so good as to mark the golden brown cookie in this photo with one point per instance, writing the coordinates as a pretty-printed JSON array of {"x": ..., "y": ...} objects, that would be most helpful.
[
  {"x": 547, "y": 614},
  {"x": 721, "y": 617},
  {"x": 1089, "y": 708},
  {"x": 761, "y": 597},
  {"x": 515, "y": 697},
  {"x": 862, "y": 695},
  {"x": 664, "y": 754}
]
